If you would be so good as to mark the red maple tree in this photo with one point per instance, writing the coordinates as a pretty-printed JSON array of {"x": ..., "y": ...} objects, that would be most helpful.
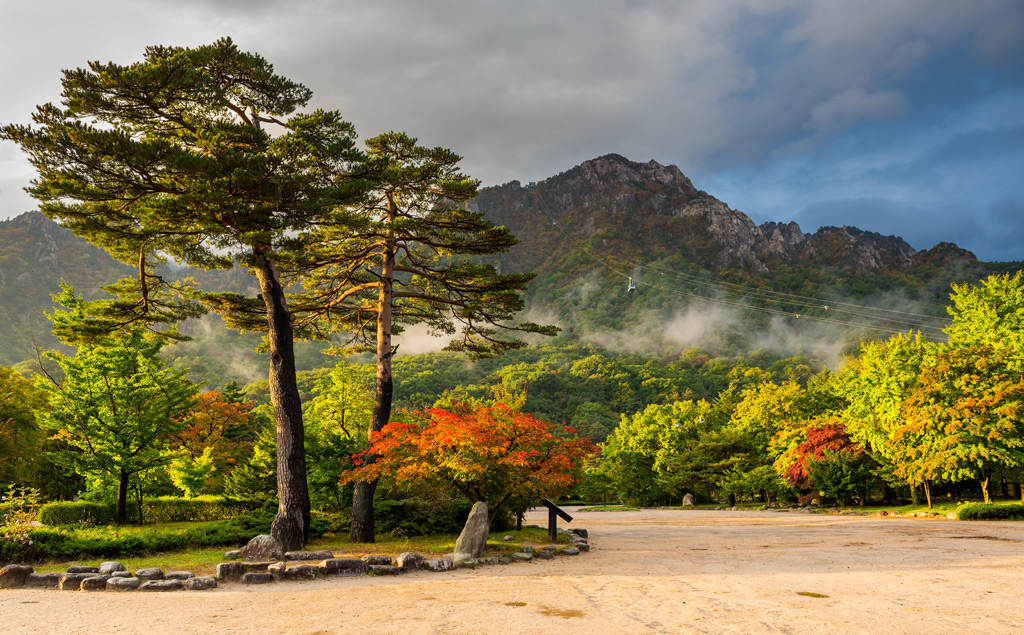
[{"x": 495, "y": 455}]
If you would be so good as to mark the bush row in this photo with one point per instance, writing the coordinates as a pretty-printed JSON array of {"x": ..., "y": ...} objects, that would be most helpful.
[
  {"x": 158, "y": 510},
  {"x": 990, "y": 511}
]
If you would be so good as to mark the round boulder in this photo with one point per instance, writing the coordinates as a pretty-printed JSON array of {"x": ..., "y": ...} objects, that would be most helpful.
[{"x": 262, "y": 548}]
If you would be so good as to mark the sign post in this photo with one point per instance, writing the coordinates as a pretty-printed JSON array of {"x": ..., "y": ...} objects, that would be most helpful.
[{"x": 554, "y": 512}]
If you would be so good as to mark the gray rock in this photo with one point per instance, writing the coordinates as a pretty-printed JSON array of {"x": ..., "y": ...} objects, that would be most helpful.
[
  {"x": 384, "y": 569},
  {"x": 263, "y": 547},
  {"x": 376, "y": 559},
  {"x": 504, "y": 560},
  {"x": 527, "y": 549},
  {"x": 233, "y": 571},
  {"x": 569, "y": 551},
  {"x": 521, "y": 556},
  {"x": 581, "y": 532},
  {"x": 121, "y": 574},
  {"x": 257, "y": 577},
  {"x": 123, "y": 584},
  {"x": 43, "y": 580},
  {"x": 546, "y": 553},
  {"x": 301, "y": 572},
  {"x": 509, "y": 538},
  {"x": 179, "y": 575},
  {"x": 688, "y": 501},
  {"x": 81, "y": 569},
  {"x": 488, "y": 561},
  {"x": 343, "y": 567},
  {"x": 161, "y": 585},
  {"x": 151, "y": 573},
  {"x": 439, "y": 564},
  {"x": 583, "y": 546},
  {"x": 400, "y": 532},
  {"x": 277, "y": 570},
  {"x": 106, "y": 568},
  {"x": 200, "y": 583},
  {"x": 409, "y": 560},
  {"x": 234, "y": 554},
  {"x": 473, "y": 539},
  {"x": 463, "y": 560},
  {"x": 95, "y": 583},
  {"x": 72, "y": 581},
  {"x": 309, "y": 555},
  {"x": 13, "y": 575}
]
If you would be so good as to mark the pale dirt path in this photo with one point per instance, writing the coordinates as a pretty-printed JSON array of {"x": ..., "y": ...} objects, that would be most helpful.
[{"x": 654, "y": 571}]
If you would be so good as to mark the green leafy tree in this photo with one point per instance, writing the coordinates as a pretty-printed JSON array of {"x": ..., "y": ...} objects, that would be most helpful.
[
  {"x": 964, "y": 418},
  {"x": 991, "y": 313},
  {"x": 21, "y": 441},
  {"x": 197, "y": 154},
  {"x": 116, "y": 406},
  {"x": 410, "y": 254},
  {"x": 190, "y": 474}
]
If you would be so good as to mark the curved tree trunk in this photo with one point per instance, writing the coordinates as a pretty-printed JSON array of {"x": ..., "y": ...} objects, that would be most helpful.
[{"x": 291, "y": 526}]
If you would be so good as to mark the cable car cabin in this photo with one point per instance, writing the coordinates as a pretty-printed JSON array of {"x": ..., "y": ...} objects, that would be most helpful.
[{"x": 632, "y": 286}]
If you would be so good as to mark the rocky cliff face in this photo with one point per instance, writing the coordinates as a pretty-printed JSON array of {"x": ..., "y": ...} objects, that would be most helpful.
[{"x": 656, "y": 208}]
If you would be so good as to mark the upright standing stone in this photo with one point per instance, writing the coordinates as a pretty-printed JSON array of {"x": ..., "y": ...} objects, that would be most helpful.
[
  {"x": 263, "y": 547},
  {"x": 473, "y": 538},
  {"x": 688, "y": 500}
]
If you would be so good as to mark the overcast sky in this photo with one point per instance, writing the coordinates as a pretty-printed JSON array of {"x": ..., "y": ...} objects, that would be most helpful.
[{"x": 898, "y": 116}]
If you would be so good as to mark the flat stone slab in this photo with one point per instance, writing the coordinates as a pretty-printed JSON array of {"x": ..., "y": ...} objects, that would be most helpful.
[
  {"x": 521, "y": 556},
  {"x": 151, "y": 573},
  {"x": 121, "y": 574},
  {"x": 43, "y": 580},
  {"x": 277, "y": 570},
  {"x": 234, "y": 554},
  {"x": 161, "y": 585},
  {"x": 179, "y": 575},
  {"x": 309, "y": 555},
  {"x": 301, "y": 572},
  {"x": 376, "y": 559},
  {"x": 72, "y": 581},
  {"x": 258, "y": 577},
  {"x": 439, "y": 564},
  {"x": 583, "y": 546},
  {"x": 384, "y": 569},
  {"x": 81, "y": 569},
  {"x": 233, "y": 571},
  {"x": 344, "y": 567},
  {"x": 123, "y": 584},
  {"x": 13, "y": 575},
  {"x": 200, "y": 583},
  {"x": 95, "y": 583},
  {"x": 409, "y": 560},
  {"x": 487, "y": 561},
  {"x": 569, "y": 551}
]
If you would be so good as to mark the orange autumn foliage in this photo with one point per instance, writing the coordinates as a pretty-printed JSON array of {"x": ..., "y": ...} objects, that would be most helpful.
[{"x": 495, "y": 455}]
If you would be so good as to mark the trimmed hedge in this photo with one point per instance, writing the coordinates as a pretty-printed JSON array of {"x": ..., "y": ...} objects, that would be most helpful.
[
  {"x": 75, "y": 513},
  {"x": 990, "y": 511},
  {"x": 158, "y": 510}
]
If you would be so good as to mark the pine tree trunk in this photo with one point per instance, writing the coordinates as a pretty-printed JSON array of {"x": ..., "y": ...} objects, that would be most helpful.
[
  {"x": 121, "y": 511},
  {"x": 1018, "y": 492},
  {"x": 984, "y": 486},
  {"x": 291, "y": 525},
  {"x": 928, "y": 493},
  {"x": 363, "y": 529},
  {"x": 914, "y": 496}
]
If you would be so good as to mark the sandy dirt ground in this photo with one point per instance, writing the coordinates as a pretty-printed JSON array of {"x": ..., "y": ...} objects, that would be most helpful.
[{"x": 653, "y": 571}]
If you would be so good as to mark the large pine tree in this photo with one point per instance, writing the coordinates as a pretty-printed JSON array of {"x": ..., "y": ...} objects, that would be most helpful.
[
  {"x": 199, "y": 155},
  {"x": 410, "y": 254}
]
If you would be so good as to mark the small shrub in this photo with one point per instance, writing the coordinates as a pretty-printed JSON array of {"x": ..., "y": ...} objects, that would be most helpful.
[
  {"x": 422, "y": 516},
  {"x": 990, "y": 511},
  {"x": 167, "y": 509}
]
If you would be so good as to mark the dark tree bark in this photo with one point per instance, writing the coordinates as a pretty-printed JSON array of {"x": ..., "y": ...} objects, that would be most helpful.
[
  {"x": 291, "y": 525},
  {"x": 362, "y": 495},
  {"x": 121, "y": 512}
]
